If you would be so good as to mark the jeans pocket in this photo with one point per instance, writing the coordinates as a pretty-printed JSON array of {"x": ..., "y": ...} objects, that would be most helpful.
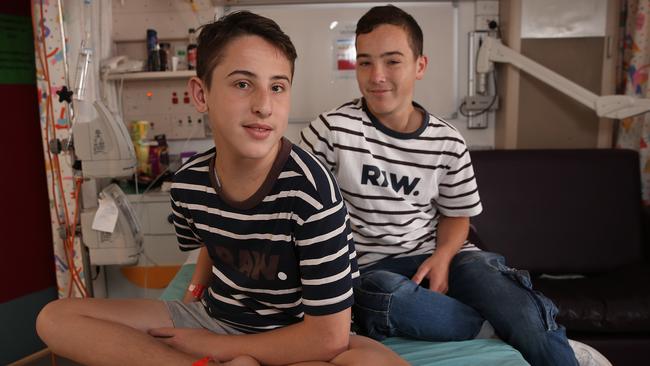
[
  {"x": 546, "y": 308},
  {"x": 371, "y": 311}
]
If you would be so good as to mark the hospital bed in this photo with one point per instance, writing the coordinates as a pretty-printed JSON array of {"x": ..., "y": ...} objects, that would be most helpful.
[{"x": 484, "y": 352}]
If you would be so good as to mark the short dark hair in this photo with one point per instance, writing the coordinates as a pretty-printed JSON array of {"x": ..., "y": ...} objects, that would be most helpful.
[
  {"x": 214, "y": 38},
  {"x": 390, "y": 14}
]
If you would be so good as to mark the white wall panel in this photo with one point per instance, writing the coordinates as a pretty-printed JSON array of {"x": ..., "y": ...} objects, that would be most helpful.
[
  {"x": 563, "y": 19},
  {"x": 318, "y": 86}
]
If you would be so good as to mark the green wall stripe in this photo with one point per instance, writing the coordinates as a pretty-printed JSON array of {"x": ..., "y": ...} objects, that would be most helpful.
[{"x": 17, "y": 59}]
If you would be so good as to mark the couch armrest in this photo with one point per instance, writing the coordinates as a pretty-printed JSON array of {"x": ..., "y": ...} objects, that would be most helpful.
[{"x": 474, "y": 238}]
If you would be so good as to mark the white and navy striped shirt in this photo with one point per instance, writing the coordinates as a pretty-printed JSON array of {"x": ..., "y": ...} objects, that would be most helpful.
[
  {"x": 285, "y": 252},
  {"x": 395, "y": 184}
]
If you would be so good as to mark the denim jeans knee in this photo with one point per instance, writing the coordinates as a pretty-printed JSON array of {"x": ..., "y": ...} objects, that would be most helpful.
[
  {"x": 492, "y": 270},
  {"x": 383, "y": 281},
  {"x": 479, "y": 259},
  {"x": 390, "y": 304},
  {"x": 505, "y": 296},
  {"x": 372, "y": 299},
  {"x": 547, "y": 309}
]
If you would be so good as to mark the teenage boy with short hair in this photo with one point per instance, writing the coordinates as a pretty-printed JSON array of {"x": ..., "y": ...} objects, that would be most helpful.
[
  {"x": 276, "y": 257},
  {"x": 408, "y": 182}
]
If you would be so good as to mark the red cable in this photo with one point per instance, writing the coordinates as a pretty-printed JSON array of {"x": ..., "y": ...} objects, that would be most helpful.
[{"x": 73, "y": 232}]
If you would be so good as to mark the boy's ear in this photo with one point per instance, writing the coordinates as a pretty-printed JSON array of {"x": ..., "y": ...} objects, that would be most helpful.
[
  {"x": 421, "y": 66},
  {"x": 198, "y": 91}
]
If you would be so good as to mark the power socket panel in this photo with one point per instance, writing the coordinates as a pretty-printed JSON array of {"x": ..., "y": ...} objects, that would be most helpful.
[
  {"x": 166, "y": 105},
  {"x": 478, "y": 103}
]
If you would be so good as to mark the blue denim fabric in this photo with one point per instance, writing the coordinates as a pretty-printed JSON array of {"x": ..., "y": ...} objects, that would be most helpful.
[{"x": 481, "y": 286}]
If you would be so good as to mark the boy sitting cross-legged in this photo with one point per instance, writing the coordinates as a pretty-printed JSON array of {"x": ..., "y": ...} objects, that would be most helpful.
[{"x": 277, "y": 260}]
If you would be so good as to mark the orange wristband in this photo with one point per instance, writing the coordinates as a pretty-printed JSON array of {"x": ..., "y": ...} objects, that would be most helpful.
[{"x": 202, "y": 362}]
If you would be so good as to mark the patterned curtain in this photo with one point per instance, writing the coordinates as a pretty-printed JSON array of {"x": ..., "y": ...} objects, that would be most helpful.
[
  {"x": 634, "y": 133},
  {"x": 50, "y": 77}
]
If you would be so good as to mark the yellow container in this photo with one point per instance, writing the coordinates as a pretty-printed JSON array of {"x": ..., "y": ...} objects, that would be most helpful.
[{"x": 139, "y": 131}]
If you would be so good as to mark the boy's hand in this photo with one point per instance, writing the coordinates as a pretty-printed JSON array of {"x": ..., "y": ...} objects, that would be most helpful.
[
  {"x": 197, "y": 342},
  {"x": 436, "y": 269}
]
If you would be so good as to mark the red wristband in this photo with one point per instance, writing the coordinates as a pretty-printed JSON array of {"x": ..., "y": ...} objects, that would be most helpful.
[
  {"x": 196, "y": 290},
  {"x": 202, "y": 362}
]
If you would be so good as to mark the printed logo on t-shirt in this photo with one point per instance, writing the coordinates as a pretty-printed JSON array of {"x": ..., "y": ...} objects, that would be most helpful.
[
  {"x": 250, "y": 263},
  {"x": 371, "y": 174}
]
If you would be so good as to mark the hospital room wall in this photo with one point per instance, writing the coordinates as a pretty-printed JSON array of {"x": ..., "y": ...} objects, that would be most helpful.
[
  {"x": 27, "y": 280},
  {"x": 533, "y": 114},
  {"x": 446, "y": 42},
  {"x": 445, "y": 25}
]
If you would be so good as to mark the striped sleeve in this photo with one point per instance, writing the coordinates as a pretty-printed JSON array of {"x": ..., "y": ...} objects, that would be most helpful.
[
  {"x": 317, "y": 139},
  {"x": 183, "y": 224},
  {"x": 458, "y": 193},
  {"x": 327, "y": 260}
]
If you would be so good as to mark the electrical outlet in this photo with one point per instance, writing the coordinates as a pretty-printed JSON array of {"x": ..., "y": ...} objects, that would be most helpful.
[
  {"x": 176, "y": 127},
  {"x": 158, "y": 126},
  {"x": 193, "y": 127},
  {"x": 478, "y": 103},
  {"x": 163, "y": 104},
  {"x": 477, "y": 122}
]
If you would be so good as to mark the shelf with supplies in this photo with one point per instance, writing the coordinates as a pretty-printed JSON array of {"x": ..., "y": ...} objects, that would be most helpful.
[{"x": 151, "y": 75}]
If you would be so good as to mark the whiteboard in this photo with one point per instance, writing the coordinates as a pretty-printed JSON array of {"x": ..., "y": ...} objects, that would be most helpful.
[{"x": 318, "y": 86}]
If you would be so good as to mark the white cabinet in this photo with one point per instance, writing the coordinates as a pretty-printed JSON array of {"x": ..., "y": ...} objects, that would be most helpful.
[
  {"x": 160, "y": 246},
  {"x": 160, "y": 255}
]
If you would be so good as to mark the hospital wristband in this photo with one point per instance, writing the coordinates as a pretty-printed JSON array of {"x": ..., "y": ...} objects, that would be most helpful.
[{"x": 196, "y": 290}]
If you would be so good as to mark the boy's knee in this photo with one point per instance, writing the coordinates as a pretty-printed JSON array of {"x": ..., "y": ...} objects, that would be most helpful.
[
  {"x": 55, "y": 311},
  {"x": 365, "y": 351},
  {"x": 46, "y": 317},
  {"x": 479, "y": 261},
  {"x": 384, "y": 281}
]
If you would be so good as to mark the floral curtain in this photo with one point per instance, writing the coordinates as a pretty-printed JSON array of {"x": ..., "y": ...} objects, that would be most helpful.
[
  {"x": 78, "y": 17},
  {"x": 634, "y": 133}
]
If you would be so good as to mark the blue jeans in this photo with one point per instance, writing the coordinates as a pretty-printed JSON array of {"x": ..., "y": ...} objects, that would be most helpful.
[{"x": 481, "y": 286}]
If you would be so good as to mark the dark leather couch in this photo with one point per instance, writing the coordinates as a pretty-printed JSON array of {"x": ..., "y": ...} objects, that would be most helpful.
[{"x": 575, "y": 215}]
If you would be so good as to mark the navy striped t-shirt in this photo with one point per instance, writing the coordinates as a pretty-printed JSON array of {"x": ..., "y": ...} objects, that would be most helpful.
[{"x": 285, "y": 252}]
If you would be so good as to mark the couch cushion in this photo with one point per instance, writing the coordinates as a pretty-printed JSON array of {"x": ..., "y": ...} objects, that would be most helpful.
[
  {"x": 611, "y": 303},
  {"x": 560, "y": 211}
]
